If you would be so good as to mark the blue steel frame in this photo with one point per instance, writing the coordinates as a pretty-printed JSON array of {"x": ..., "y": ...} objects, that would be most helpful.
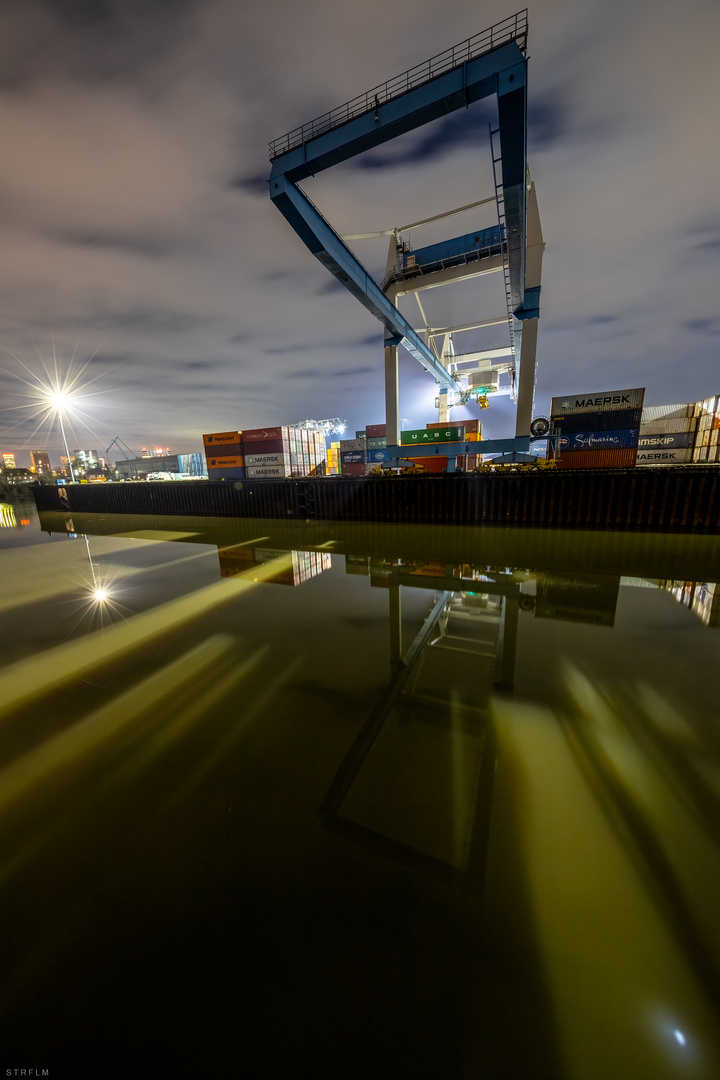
[{"x": 501, "y": 71}]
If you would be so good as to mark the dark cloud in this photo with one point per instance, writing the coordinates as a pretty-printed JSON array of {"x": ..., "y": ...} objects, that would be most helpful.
[
  {"x": 466, "y": 128},
  {"x": 253, "y": 185}
]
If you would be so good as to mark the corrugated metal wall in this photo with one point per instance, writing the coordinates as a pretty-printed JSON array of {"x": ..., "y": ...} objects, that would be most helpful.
[{"x": 652, "y": 498}]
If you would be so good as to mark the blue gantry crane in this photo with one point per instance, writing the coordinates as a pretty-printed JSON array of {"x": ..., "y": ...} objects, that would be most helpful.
[{"x": 491, "y": 62}]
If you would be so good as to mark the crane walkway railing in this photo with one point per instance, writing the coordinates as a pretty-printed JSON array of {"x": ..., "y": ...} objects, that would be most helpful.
[{"x": 513, "y": 28}]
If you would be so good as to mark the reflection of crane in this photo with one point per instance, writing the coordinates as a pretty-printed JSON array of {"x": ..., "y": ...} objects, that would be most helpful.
[
  {"x": 120, "y": 444},
  {"x": 336, "y": 426}
]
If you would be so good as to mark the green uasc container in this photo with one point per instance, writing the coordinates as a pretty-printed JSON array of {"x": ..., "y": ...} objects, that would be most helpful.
[{"x": 424, "y": 436}]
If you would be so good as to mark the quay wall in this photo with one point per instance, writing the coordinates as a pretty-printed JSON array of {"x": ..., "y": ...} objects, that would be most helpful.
[{"x": 686, "y": 498}]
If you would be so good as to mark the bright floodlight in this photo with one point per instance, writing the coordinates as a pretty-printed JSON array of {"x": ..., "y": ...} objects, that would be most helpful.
[
  {"x": 100, "y": 594},
  {"x": 58, "y": 398}
]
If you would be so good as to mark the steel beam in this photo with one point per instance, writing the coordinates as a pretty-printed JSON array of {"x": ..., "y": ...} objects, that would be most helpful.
[{"x": 326, "y": 245}]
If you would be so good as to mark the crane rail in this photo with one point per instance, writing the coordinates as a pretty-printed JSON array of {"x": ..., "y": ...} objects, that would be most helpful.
[{"x": 513, "y": 28}]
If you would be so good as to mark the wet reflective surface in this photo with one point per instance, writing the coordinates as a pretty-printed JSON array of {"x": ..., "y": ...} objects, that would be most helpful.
[{"x": 357, "y": 800}]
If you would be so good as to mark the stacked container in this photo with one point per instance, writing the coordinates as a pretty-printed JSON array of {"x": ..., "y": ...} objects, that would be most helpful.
[
  {"x": 707, "y": 414},
  {"x": 376, "y": 444},
  {"x": 353, "y": 460},
  {"x": 473, "y": 433},
  {"x": 667, "y": 435},
  {"x": 278, "y": 452},
  {"x": 224, "y": 455},
  {"x": 333, "y": 459},
  {"x": 598, "y": 431},
  {"x": 423, "y": 438}
]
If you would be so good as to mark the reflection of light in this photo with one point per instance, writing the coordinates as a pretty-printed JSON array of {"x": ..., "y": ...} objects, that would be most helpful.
[{"x": 679, "y": 1037}]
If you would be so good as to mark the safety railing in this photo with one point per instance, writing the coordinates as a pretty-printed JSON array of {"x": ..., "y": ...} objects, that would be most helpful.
[{"x": 514, "y": 28}]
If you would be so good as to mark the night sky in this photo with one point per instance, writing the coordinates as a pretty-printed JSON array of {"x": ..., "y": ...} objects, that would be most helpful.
[{"x": 137, "y": 228}]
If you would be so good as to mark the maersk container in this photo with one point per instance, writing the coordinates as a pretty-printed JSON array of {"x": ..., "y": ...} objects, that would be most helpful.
[
  {"x": 664, "y": 457},
  {"x": 609, "y": 401},
  {"x": 268, "y": 459},
  {"x": 668, "y": 427},
  {"x": 680, "y": 440},
  {"x": 598, "y": 421},
  {"x": 268, "y": 472}
]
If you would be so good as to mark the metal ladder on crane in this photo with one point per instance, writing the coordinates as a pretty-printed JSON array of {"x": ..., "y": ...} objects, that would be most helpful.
[{"x": 500, "y": 203}]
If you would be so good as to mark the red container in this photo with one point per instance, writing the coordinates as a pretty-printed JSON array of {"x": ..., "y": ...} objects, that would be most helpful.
[
  {"x": 355, "y": 470},
  {"x": 469, "y": 425},
  {"x": 435, "y": 464},
  {"x": 466, "y": 462},
  {"x": 269, "y": 446},
  {"x": 376, "y": 431},
  {"x": 268, "y": 434},
  {"x": 598, "y": 459}
]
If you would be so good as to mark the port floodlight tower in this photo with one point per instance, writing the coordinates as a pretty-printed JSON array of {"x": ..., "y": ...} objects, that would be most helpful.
[{"x": 492, "y": 62}]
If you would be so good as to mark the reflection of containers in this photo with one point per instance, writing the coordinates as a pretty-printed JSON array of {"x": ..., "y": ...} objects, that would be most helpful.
[
  {"x": 623, "y": 419},
  {"x": 597, "y": 459},
  {"x": 580, "y": 598},
  {"x": 664, "y": 457}
]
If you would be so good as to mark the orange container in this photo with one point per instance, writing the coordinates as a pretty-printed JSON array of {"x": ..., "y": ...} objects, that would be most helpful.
[
  {"x": 219, "y": 462},
  {"x": 222, "y": 438},
  {"x": 435, "y": 464},
  {"x": 597, "y": 459}
]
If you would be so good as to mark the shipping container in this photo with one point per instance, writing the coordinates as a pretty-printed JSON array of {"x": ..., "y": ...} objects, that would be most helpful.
[
  {"x": 226, "y": 474},
  {"x": 376, "y": 457},
  {"x": 596, "y": 440},
  {"x": 352, "y": 444},
  {"x": 435, "y": 464},
  {"x": 360, "y": 434},
  {"x": 680, "y": 440},
  {"x": 668, "y": 427},
  {"x": 377, "y": 443},
  {"x": 354, "y": 470},
  {"x": 467, "y": 462},
  {"x": 455, "y": 252},
  {"x": 225, "y": 461},
  {"x": 423, "y": 436},
  {"x": 268, "y": 434},
  {"x": 269, "y": 459},
  {"x": 223, "y": 438},
  {"x": 375, "y": 431},
  {"x": 664, "y": 457},
  {"x": 610, "y": 400},
  {"x": 272, "y": 446},
  {"x": 268, "y": 472},
  {"x": 621, "y": 419},
  {"x": 352, "y": 457},
  {"x": 651, "y": 413},
  {"x": 598, "y": 459}
]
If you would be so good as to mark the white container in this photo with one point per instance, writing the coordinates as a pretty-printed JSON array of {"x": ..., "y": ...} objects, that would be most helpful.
[
  {"x": 609, "y": 401},
  {"x": 267, "y": 459},
  {"x": 267, "y": 472},
  {"x": 668, "y": 427},
  {"x": 672, "y": 412},
  {"x": 664, "y": 457}
]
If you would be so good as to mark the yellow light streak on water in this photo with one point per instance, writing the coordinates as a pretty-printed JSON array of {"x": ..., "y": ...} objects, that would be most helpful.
[
  {"x": 605, "y": 950},
  {"x": 25, "y": 680},
  {"x": 36, "y": 769}
]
